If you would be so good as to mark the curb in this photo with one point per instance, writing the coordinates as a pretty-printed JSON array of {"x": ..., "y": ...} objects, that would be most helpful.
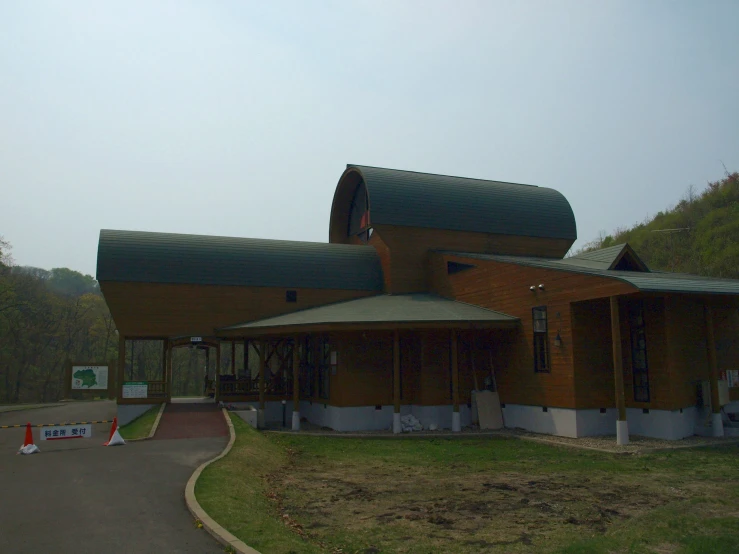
[
  {"x": 209, "y": 524},
  {"x": 153, "y": 427}
]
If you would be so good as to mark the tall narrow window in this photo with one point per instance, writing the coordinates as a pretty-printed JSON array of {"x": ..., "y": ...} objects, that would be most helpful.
[
  {"x": 324, "y": 367},
  {"x": 359, "y": 215},
  {"x": 639, "y": 366},
  {"x": 541, "y": 342},
  {"x": 306, "y": 368}
]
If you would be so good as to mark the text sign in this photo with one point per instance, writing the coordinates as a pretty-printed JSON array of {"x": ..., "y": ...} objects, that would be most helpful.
[
  {"x": 90, "y": 377},
  {"x": 63, "y": 432},
  {"x": 196, "y": 339},
  {"x": 732, "y": 376},
  {"x": 135, "y": 389}
]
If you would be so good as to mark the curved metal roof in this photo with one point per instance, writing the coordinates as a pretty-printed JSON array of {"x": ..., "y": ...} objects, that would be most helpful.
[
  {"x": 209, "y": 260},
  {"x": 411, "y": 199}
]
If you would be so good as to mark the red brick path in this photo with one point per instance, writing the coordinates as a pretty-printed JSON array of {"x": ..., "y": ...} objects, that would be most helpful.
[{"x": 190, "y": 421}]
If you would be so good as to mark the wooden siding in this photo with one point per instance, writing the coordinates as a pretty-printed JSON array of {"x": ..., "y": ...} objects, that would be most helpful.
[
  {"x": 410, "y": 251},
  {"x": 592, "y": 355},
  {"x": 147, "y": 309},
  {"x": 505, "y": 287}
]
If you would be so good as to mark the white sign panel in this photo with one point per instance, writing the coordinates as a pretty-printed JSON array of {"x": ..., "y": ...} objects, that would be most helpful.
[
  {"x": 63, "y": 432},
  {"x": 90, "y": 377},
  {"x": 135, "y": 389},
  {"x": 732, "y": 376}
]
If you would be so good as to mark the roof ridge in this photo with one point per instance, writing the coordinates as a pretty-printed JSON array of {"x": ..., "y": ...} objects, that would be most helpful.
[{"x": 442, "y": 175}]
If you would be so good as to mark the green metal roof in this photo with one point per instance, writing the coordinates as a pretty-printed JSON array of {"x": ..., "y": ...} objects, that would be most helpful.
[
  {"x": 385, "y": 308},
  {"x": 209, "y": 260},
  {"x": 646, "y": 281},
  {"x": 413, "y": 199},
  {"x": 606, "y": 258}
]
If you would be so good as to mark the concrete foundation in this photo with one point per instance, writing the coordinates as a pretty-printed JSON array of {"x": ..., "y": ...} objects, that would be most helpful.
[
  {"x": 456, "y": 422},
  {"x": 396, "y": 422},
  {"x": 296, "y": 421},
  {"x": 622, "y": 433},
  {"x": 718, "y": 425}
]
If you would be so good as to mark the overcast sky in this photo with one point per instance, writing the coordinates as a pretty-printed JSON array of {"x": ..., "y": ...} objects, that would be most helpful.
[{"x": 237, "y": 118}]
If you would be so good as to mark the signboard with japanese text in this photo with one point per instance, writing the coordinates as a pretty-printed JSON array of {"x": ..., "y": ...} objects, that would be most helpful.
[
  {"x": 732, "y": 376},
  {"x": 135, "y": 389},
  {"x": 89, "y": 377},
  {"x": 61, "y": 432}
]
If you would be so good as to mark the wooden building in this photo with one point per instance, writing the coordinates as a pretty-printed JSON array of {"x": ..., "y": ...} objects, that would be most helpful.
[{"x": 429, "y": 287}]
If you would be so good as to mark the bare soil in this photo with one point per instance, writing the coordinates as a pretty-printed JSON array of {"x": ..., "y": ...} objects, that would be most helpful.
[{"x": 461, "y": 510}]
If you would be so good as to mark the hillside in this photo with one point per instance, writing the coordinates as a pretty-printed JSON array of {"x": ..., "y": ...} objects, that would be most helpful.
[{"x": 700, "y": 234}]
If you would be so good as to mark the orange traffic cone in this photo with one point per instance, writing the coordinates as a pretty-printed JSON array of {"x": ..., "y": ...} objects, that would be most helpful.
[
  {"x": 115, "y": 437},
  {"x": 28, "y": 446}
]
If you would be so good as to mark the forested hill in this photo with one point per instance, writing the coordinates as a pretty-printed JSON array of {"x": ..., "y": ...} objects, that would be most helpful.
[
  {"x": 698, "y": 235},
  {"x": 46, "y": 319}
]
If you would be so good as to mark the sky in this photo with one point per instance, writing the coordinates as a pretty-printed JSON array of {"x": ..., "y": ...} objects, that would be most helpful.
[{"x": 237, "y": 118}]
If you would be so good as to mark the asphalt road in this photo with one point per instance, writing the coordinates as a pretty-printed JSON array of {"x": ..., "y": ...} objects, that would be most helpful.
[{"x": 78, "y": 496}]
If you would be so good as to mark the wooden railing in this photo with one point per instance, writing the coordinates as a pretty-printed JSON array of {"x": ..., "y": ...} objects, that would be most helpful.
[{"x": 244, "y": 386}]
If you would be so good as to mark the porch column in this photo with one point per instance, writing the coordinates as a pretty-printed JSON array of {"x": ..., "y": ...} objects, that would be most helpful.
[
  {"x": 207, "y": 367},
  {"x": 233, "y": 357},
  {"x": 456, "y": 422},
  {"x": 396, "y": 381},
  {"x": 622, "y": 427},
  {"x": 716, "y": 423},
  {"x": 296, "y": 386},
  {"x": 218, "y": 371},
  {"x": 168, "y": 369},
  {"x": 121, "y": 365},
  {"x": 260, "y": 414}
]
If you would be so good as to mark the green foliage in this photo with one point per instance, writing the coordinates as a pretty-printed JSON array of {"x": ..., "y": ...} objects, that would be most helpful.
[
  {"x": 140, "y": 427},
  {"x": 698, "y": 235}
]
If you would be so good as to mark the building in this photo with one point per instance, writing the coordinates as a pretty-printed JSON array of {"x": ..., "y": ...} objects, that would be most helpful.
[{"x": 428, "y": 285}]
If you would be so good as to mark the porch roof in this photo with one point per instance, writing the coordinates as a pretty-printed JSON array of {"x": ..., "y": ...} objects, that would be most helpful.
[
  {"x": 645, "y": 281},
  {"x": 398, "y": 310}
]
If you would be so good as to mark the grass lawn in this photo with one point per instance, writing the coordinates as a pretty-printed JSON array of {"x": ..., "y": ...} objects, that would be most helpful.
[
  {"x": 141, "y": 426},
  {"x": 284, "y": 493}
]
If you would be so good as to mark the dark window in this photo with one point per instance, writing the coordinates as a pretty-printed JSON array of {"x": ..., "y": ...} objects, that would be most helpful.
[
  {"x": 291, "y": 296},
  {"x": 456, "y": 267},
  {"x": 324, "y": 367},
  {"x": 306, "y": 368},
  {"x": 639, "y": 366},
  {"x": 359, "y": 215},
  {"x": 541, "y": 342}
]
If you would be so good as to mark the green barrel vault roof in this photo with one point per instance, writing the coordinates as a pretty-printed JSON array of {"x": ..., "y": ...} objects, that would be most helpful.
[
  {"x": 413, "y": 199},
  {"x": 386, "y": 308},
  {"x": 210, "y": 260}
]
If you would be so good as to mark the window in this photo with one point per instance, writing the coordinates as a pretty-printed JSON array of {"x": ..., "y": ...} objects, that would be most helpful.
[
  {"x": 359, "y": 215},
  {"x": 541, "y": 341},
  {"x": 456, "y": 267},
  {"x": 639, "y": 365},
  {"x": 305, "y": 354},
  {"x": 291, "y": 296},
  {"x": 324, "y": 367}
]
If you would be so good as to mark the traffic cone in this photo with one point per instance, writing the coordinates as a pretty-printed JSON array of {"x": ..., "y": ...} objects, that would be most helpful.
[
  {"x": 115, "y": 437},
  {"x": 28, "y": 446}
]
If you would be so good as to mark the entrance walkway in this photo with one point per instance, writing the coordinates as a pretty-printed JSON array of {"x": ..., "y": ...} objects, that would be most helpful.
[{"x": 190, "y": 421}]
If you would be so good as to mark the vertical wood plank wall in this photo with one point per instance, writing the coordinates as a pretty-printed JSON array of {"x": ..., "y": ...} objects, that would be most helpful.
[{"x": 505, "y": 287}]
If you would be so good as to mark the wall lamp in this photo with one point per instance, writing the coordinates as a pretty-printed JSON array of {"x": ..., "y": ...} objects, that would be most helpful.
[{"x": 558, "y": 340}]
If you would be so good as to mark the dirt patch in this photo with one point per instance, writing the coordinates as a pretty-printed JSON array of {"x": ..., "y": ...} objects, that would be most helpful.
[{"x": 475, "y": 511}]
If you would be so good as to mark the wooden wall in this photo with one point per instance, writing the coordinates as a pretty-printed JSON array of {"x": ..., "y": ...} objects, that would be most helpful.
[
  {"x": 505, "y": 287},
  {"x": 365, "y": 369},
  {"x": 160, "y": 310},
  {"x": 410, "y": 251}
]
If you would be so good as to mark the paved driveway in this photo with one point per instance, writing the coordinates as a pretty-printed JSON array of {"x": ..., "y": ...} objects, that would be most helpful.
[{"x": 78, "y": 496}]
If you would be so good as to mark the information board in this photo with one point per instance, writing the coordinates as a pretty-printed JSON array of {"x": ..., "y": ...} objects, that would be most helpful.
[
  {"x": 89, "y": 377},
  {"x": 135, "y": 389}
]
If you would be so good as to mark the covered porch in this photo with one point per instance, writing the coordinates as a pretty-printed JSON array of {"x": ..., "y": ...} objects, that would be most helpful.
[{"x": 361, "y": 364}]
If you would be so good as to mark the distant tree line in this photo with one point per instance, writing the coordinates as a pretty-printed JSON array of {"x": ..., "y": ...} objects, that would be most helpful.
[
  {"x": 700, "y": 234},
  {"x": 51, "y": 317}
]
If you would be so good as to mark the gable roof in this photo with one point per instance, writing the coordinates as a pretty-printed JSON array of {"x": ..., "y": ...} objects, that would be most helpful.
[
  {"x": 645, "y": 281},
  {"x": 411, "y": 199},
  {"x": 385, "y": 308},
  {"x": 608, "y": 258},
  {"x": 210, "y": 260}
]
